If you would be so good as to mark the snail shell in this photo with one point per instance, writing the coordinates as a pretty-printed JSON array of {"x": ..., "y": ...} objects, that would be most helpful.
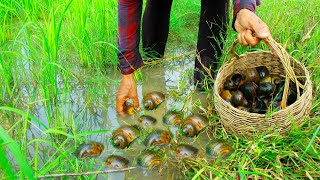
[
  {"x": 265, "y": 89},
  {"x": 226, "y": 95},
  {"x": 153, "y": 100},
  {"x": 115, "y": 161},
  {"x": 217, "y": 148},
  {"x": 128, "y": 108},
  {"x": 193, "y": 125},
  {"x": 149, "y": 158},
  {"x": 229, "y": 85},
  {"x": 147, "y": 120},
  {"x": 157, "y": 138},
  {"x": 124, "y": 136},
  {"x": 249, "y": 90},
  {"x": 90, "y": 149},
  {"x": 238, "y": 99},
  {"x": 237, "y": 79},
  {"x": 252, "y": 75},
  {"x": 172, "y": 118},
  {"x": 263, "y": 71},
  {"x": 186, "y": 151}
]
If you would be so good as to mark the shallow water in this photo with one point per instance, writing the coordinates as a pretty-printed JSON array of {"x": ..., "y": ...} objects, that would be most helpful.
[{"x": 173, "y": 77}]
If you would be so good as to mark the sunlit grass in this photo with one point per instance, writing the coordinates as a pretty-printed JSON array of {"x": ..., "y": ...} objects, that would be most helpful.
[{"x": 50, "y": 48}]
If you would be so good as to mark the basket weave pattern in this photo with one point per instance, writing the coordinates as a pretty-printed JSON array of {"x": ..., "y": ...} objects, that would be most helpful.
[{"x": 248, "y": 124}]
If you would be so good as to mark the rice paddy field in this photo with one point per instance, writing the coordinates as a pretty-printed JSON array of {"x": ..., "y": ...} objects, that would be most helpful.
[{"x": 59, "y": 77}]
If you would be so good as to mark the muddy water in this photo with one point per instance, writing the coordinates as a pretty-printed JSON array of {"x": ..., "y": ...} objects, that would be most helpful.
[{"x": 175, "y": 79}]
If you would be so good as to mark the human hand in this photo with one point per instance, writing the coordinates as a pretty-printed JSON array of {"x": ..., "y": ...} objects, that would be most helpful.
[
  {"x": 251, "y": 29},
  {"x": 127, "y": 90}
]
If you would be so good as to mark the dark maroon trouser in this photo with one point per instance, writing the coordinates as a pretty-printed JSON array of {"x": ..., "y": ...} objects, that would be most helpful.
[{"x": 212, "y": 28}]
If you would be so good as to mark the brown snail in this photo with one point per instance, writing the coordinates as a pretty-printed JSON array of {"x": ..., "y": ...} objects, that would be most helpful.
[
  {"x": 259, "y": 106},
  {"x": 171, "y": 118},
  {"x": 90, "y": 149},
  {"x": 265, "y": 89},
  {"x": 193, "y": 125},
  {"x": 153, "y": 100},
  {"x": 237, "y": 79},
  {"x": 218, "y": 148},
  {"x": 157, "y": 138},
  {"x": 186, "y": 151},
  {"x": 252, "y": 75},
  {"x": 124, "y": 136},
  {"x": 115, "y": 161},
  {"x": 150, "y": 158},
  {"x": 229, "y": 85},
  {"x": 147, "y": 120},
  {"x": 238, "y": 99},
  {"x": 226, "y": 95},
  {"x": 262, "y": 71},
  {"x": 249, "y": 90}
]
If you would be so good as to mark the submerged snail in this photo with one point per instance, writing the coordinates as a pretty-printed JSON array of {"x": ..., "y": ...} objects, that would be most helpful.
[
  {"x": 150, "y": 158},
  {"x": 115, "y": 161},
  {"x": 124, "y": 136},
  {"x": 172, "y": 118},
  {"x": 90, "y": 149},
  {"x": 218, "y": 148},
  {"x": 186, "y": 151},
  {"x": 157, "y": 138},
  {"x": 153, "y": 100},
  {"x": 193, "y": 125},
  {"x": 147, "y": 120}
]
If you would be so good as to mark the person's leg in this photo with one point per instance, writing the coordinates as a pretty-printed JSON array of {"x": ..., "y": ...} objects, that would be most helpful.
[
  {"x": 155, "y": 27},
  {"x": 212, "y": 32}
]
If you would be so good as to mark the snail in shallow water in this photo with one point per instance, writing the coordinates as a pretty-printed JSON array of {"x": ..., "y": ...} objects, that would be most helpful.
[
  {"x": 186, "y": 151},
  {"x": 147, "y": 120},
  {"x": 192, "y": 125},
  {"x": 157, "y": 138},
  {"x": 218, "y": 148},
  {"x": 150, "y": 159},
  {"x": 115, "y": 161},
  {"x": 172, "y": 118},
  {"x": 153, "y": 100},
  {"x": 124, "y": 136},
  {"x": 90, "y": 149}
]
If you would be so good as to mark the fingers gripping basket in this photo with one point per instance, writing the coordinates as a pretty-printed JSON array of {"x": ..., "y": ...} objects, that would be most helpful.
[{"x": 247, "y": 124}]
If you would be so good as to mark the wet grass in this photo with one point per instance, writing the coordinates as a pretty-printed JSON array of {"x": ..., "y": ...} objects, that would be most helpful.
[{"x": 48, "y": 49}]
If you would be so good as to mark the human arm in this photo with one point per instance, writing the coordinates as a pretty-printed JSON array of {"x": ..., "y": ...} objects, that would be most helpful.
[{"x": 129, "y": 16}]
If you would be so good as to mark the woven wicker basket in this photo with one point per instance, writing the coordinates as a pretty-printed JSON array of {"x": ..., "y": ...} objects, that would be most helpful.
[{"x": 248, "y": 124}]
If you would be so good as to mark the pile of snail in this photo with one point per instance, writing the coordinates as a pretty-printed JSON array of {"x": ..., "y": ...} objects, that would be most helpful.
[
  {"x": 157, "y": 142},
  {"x": 256, "y": 90}
]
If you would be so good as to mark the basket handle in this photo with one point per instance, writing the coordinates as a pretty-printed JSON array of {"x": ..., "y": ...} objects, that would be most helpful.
[{"x": 285, "y": 59}]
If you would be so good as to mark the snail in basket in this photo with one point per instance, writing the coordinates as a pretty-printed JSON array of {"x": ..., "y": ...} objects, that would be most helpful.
[{"x": 257, "y": 90}]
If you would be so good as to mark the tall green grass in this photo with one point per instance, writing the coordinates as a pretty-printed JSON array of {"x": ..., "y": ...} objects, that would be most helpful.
[{"x": 48, "y": 48}]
